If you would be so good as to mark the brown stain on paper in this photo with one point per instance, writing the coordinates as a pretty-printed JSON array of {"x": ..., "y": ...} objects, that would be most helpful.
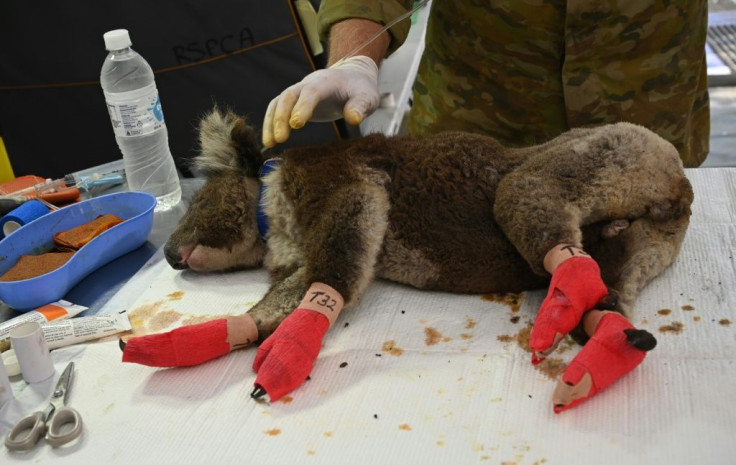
[
  {"x": 273, "y": 432},
  {"x": 675, "y": 327},
  {"x": 163, "y": 320},
  {"x": 178, "y": 295},
  {"x": 195, "y": 320},
  {"x": 432, "y": 336},
  {"x": 664, "y": 311},
  {"x": 512, "y": 299},
  {"x": 405, "y": 427},
  {"x": 390, "y": 348},
  {"x": 155, "y": 317},
  {"x": 688, "y": 308},
  {"x": 522, "y": 337},
  {"x": 724, "y": 322},
  {"x": 566, "y": 345},
  {"x": 550, "y": 367},
  {"x": 139, "y": 315}
]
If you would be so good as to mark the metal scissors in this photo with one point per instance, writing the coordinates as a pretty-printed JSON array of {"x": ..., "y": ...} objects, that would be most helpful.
[{"x": 59, "y": 423}]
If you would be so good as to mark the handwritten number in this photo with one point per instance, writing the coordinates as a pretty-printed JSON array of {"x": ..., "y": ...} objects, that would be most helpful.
[
  {"x": 572, "y": 249},
  {"x": 326, "y": 300}
]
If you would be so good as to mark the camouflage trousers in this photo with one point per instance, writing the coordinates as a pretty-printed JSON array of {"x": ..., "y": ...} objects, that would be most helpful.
[{"x": 525, "y": 71}]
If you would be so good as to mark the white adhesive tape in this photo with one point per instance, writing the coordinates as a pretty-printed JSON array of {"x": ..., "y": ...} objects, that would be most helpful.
[
  {"x": 32, "y": 352},
  {"x": 11, "y": 363}
]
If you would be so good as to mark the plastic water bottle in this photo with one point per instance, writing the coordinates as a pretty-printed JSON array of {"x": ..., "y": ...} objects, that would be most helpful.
[{"x": 138, "y": 121}]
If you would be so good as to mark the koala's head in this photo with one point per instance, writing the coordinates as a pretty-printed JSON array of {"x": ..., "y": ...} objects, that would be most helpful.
[{"x": 220, "y": 229}]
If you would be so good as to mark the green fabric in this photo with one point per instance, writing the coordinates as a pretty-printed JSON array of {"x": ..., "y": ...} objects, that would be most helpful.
[{"x": 525, "y": 71}]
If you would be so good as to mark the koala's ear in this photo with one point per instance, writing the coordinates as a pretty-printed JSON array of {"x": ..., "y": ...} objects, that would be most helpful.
[
  {"x": 227, "y": 143},
  {"x": 245, "y": 137}
]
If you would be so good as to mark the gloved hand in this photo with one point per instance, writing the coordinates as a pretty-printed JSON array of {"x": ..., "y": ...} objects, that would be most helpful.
[
  {"x": 576, "y": 287},
  {"x": 347, "y": 89},
  {"x": 287, "y": 356}
]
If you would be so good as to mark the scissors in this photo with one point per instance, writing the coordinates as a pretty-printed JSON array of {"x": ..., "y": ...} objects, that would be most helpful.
[{"x": 59, "y": 423}]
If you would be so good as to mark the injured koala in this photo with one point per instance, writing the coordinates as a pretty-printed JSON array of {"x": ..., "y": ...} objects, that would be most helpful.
[{"x": 599, "y": 211}]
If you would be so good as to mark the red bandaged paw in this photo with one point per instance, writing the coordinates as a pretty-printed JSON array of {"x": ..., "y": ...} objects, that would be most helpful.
[
  {"x": 615, "y": 349},
  {"x": 286, "y": 358},
  {"x": 576, "y": 287},
  {"x": 185, "y": 346}
]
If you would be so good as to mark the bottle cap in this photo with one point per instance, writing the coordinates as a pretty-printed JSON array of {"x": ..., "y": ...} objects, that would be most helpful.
[{"x": 117, "y": 39}]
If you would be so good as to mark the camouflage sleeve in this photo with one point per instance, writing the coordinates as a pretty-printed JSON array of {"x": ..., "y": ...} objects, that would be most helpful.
[{"x": 380, "y": 11}]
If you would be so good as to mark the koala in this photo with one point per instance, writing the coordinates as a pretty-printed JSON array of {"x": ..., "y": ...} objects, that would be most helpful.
[
  {"x": 593, "y": 214},
  {"x": 455, "y": 211}
]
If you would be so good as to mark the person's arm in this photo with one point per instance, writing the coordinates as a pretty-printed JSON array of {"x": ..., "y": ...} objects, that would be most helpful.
[
  {"x": 349, "y": 87},
  {"x": 346, "y": 35}
]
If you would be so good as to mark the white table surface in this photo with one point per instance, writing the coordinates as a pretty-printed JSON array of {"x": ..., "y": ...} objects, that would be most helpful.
[{"x": 467, "y": 395}]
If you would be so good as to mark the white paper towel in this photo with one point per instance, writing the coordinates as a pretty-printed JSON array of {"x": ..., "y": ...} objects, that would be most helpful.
[{"x": 430, "y": 377}]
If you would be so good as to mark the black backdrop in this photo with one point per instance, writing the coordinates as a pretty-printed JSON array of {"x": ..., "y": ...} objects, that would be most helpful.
[{"x": 236, "y": 53}]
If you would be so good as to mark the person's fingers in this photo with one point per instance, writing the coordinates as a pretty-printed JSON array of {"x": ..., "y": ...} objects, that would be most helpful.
[
  {"x": 360, "y": 106},
  {"x": 267, "y": 131},
  {"x": 353, "y": 116},
  {"x": 310, "y": 96},
  {"x": 282, "y": 112}
]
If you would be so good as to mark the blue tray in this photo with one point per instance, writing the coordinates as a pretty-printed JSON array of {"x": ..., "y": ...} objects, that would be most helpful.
[{"x": 37, "y": 237}]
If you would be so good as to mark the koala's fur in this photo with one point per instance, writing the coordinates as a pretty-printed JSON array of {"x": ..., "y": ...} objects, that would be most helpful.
[{"x": 453, "y": 212}]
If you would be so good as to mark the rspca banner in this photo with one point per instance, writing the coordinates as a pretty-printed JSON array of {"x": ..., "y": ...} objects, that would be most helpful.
[{"x": 234, "y": 53}]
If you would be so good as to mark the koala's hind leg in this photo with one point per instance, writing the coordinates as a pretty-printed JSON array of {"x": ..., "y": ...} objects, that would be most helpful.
[
  {"x": 610, "y": 173},
  {"x": 637, "y": 255}
]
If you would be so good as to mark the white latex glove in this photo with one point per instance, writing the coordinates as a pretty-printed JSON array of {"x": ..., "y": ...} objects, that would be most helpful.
[{"x": 347, "y": 89}]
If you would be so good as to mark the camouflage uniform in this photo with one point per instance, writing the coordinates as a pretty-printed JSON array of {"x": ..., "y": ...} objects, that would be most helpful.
[{"x": 524, "y": 71}]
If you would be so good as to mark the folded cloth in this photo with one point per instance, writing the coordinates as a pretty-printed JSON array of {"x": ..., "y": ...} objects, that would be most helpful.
[{"x": 76, "y": 237}]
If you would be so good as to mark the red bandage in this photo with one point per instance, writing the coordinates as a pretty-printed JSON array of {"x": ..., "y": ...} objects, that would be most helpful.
[
  {"x": 606, "y": 357},
  {"x": 286, "y": 358},
  {"x": 576, "y": 287},
  {"x": 185, "y": 346}
]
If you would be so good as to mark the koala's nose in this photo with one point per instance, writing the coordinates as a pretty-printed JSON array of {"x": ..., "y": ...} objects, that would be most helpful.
[{"x": 174, "y": 258}]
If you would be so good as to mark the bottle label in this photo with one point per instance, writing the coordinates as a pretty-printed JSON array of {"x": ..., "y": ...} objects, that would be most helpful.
[{"x": 138, "y": 116}]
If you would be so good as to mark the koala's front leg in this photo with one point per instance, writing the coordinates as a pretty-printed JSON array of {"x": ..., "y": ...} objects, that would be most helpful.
[
  {"x": 196, "y": 344},
  {"x": 340, "y": 249},
  {"x": 193, "y": 344},
  {"x": 286, "y": 358}
]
